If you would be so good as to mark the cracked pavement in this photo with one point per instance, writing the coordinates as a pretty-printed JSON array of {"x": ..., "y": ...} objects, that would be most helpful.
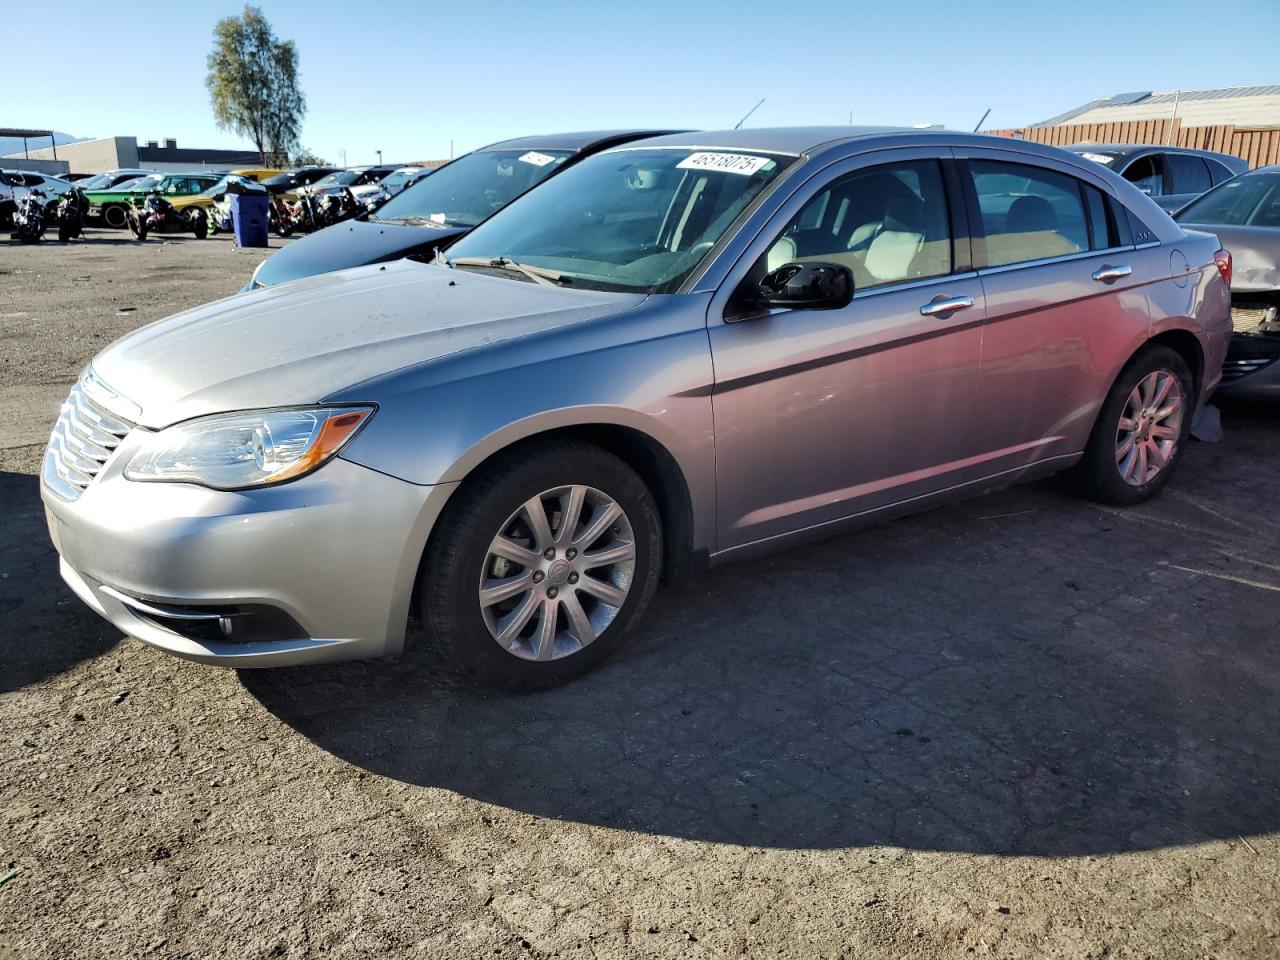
[{"x": 1021, "y": 726}]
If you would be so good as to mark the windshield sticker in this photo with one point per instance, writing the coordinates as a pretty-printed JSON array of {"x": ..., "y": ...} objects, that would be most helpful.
[
  {"x": 437, "y": 218},
  {"x": 537, "y": 159},
  {"x": 724, "y": 162}
]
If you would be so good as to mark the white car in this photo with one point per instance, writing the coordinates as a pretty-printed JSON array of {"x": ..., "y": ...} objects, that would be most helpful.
[{"x": 16, "y": 184}]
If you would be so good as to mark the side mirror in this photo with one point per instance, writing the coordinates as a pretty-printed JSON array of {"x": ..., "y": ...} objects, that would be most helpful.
[{"x": 813, "y": 285}]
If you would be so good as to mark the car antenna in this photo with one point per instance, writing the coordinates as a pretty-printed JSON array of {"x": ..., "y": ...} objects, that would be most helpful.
[
  {"x": 748, "y": 113},
  {"x": 983, "y": 120}
]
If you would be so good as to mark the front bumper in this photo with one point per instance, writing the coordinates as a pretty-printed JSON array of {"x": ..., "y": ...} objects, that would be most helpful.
[
  {"x": 322, "y": 568},
  {"x": 1252, "y": 367}
]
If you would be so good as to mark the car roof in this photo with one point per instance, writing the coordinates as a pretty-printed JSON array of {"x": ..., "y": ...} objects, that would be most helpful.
[
  {"x": 1124, "y": 149},
  {"x": 794, "y": 140},
  {"x": 582, "y": 140}
]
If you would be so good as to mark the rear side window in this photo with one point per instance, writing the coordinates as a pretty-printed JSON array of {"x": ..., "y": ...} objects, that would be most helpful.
[
  {"x": 1218, "y": 171},
  {"x": 1147, "y": 175},
  {"x": 1189, "y": 174},
  {"x": 1029, "y": 213}
]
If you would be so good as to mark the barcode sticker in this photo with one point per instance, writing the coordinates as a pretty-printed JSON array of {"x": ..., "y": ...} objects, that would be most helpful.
[{"x": 724, "y": 162}]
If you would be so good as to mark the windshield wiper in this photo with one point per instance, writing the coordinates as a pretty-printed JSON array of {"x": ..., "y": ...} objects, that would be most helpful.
[{"x": 548, "y": 278}]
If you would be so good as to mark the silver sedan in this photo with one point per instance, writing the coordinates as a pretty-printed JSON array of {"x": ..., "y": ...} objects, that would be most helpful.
[{"x": 683, "y": 351}]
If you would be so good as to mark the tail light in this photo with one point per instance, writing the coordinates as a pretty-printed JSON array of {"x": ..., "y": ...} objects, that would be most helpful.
[{"x": 1223, "y": 260}]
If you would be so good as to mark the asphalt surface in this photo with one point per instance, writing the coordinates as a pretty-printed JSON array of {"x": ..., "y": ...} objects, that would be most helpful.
[{"x": 1021, "y": 726}]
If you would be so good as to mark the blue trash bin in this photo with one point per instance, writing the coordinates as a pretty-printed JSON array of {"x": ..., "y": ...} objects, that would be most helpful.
[{"x": 249, "y": 219}]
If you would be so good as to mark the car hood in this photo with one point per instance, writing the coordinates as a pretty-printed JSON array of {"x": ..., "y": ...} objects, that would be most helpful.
[
  {"x": 302, "y": 343},
  {"x": 352, "y": 243},
  {"x": 1255, "y": 255}
]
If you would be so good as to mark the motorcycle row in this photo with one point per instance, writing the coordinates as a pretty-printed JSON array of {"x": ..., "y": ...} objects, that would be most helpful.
[{"x": 309, "y": 212}]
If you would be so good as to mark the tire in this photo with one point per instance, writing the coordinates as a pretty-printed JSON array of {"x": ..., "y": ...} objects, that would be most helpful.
[
  {"x": 65, "y": 231},
  {"x": 1107, "y": 476},
  {"x": 458, "y": 559},
  {"x": 115, "y": 216},
  {"x": 139, "y": 228},
  {"x": 200, "y": 224}
]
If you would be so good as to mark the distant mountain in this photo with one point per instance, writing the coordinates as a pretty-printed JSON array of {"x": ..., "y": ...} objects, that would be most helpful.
[{"x": 10, "y": 145}]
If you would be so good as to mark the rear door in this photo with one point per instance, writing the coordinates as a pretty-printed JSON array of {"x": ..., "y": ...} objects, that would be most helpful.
[{"x": 1065, "y": 299}]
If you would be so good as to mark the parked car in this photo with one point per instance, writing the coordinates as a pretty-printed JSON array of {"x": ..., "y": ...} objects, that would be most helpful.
[
  {"x": 294, "y": 180},
  {"x": 1171, "y": 176},
  {"x": 444, "y": 206},
  {"x": 1244, "y": 213},
  {"x": 677, "y": 352},
  {"x": 16, "y": 184},
  {"x": 352, "y": 178},
  {"x": 74, "y": 177},
  {"x": 216, "y": 191},
  {"x": 112, "y": 178},
  {"x": 393, "y": 183},
  {"x": 111, "y": 204}
]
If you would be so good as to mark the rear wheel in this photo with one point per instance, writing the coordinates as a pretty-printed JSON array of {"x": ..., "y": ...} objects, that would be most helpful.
[
  {"x": 1141, "y": 430},
  {"x": 539, "y": 565}
]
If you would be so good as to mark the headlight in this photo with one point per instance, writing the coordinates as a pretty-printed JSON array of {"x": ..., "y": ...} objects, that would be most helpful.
[{"x": 236, "y": 450}]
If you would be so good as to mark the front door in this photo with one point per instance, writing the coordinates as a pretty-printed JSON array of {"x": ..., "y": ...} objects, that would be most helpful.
[{"x": 823, "y": 414}]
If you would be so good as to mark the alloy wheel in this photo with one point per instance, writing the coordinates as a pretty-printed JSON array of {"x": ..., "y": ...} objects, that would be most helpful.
[
  {"x": 1150, "y": 427},
  {"x": 557, "y": 573}
]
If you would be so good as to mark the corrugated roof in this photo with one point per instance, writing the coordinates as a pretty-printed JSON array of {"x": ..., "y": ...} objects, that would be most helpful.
[{"x": 1252, "y": 105}]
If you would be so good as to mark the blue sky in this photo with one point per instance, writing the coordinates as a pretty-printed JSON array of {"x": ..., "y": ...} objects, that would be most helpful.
[{"x": 408, "y": 78}]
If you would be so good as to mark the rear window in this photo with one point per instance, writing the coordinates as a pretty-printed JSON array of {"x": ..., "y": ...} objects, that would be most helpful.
[{"x": 1189, "y": 174}]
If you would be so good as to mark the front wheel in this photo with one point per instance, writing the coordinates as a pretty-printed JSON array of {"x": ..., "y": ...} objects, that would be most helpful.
[
  {"x": 139, "y": 228},
  {"x": 539, "y": 565},
  {"x": 1141, "y": 430},
  {"x": 66, "y": 231},
  {"x": 115, "y": 216},
  {"x": 200, "y": 224}
]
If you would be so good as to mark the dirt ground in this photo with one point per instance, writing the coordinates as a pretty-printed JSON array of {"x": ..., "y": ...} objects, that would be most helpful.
[{"x": 1022, "y": 726}]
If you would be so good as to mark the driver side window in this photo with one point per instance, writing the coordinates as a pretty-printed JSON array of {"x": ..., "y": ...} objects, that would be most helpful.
[{"x": 887, "y": 224}]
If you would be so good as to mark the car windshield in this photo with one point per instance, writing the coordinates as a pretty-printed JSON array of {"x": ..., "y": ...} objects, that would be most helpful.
[
  {"x": 637, "y": 220},
  {"x": 1252, "y": 200},
  {"x": 95, "y": 182},
  {"x": 393, "y": 181},
  {"x": 1097, "y": 156},
  {"x": 149, "y": 182},
  {"x": 339, "y": 178},
  {"x": 473, "y": 187},
  {"x": 220, "y": 186}
]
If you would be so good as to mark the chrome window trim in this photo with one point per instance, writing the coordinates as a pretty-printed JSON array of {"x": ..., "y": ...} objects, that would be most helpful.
[
  {"x": 1065, "y": 258},
  {"x": 913, "y": 284},
  {"x": 757, "y": 151}
]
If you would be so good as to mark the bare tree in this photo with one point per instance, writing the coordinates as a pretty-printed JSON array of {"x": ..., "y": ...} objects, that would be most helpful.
[{"x": 253, "y": 83}]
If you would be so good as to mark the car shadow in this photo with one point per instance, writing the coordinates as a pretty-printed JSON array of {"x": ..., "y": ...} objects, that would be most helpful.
[
  {"x": 1020, "y": 674},
  {"x": 47, "y": 630}
]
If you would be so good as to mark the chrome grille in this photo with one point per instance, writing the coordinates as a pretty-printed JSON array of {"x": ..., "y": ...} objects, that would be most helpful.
[
  {"x": 82, "y": 441},
  {"x": 1253, "y": 317}
]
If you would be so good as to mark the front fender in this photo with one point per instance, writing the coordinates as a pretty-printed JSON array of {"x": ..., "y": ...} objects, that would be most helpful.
[{"x": 648, "y": 370}]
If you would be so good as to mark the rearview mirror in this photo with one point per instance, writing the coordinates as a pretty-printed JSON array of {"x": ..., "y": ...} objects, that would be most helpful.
[{"x": 813, "y": 285}]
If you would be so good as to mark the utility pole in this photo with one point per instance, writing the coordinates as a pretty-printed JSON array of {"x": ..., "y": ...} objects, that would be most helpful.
[
  {"x": 379, "y": 153},
  {"x": 1168, "y": 140}
]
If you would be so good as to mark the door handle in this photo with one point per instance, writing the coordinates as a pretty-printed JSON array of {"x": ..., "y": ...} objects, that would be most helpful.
[
  {"x": 1108, "y": 274},
  {"x": 945, "y": 305}
]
